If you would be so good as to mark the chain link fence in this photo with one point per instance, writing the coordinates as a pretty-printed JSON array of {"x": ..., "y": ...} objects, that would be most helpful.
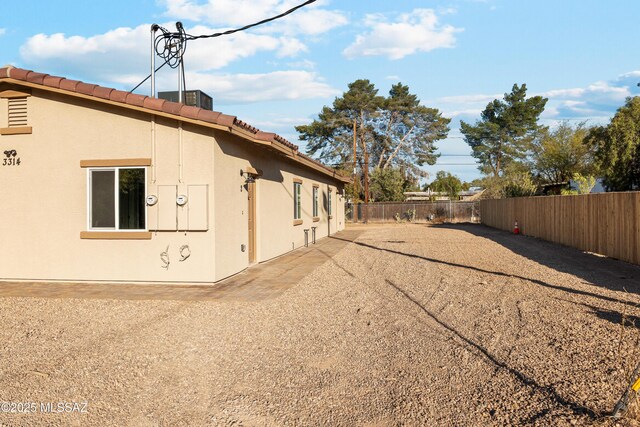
[{"x": 440, "y": 211}]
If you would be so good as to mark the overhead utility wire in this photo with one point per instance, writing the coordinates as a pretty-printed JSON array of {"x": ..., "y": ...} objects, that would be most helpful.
[
  {"x": 246, "y": 27},
  {"x": 171, "y": 46}
]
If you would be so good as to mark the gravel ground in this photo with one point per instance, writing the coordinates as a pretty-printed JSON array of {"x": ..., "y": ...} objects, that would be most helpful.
[{"x": 410, "y": 325}]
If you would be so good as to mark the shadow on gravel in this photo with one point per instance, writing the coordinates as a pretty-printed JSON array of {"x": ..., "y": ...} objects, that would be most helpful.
[
  {"x": 595, "y": 270},
  {"x": 524, "y": 379},
  {"x": 548, "y": 391},
  {"x": 606, "y": 271},
  {"x": 613, "y": 316}
]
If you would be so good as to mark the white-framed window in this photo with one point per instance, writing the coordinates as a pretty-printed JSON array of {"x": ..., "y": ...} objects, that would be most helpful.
[
  {"x": 315, "y": 200},
  {"x": 116, "y": 198},
  {"x": 297, "y": 200},
  {"x": 329, "y": 209}
]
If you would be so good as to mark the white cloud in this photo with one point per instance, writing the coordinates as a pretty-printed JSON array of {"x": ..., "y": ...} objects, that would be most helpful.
[
  {"x": 3, "y": 31},
  {"x": 393, "y": 77},
  {"x": 310, "y": 20},
  {"x": 290, "y": 47},
  {"x": 471, "y": 112},
  {"x": 304, "y": 64},
  {"x": 246, "y": 88},
  {"x": 468, "y": 99},
  {"x": 125, "y": 51},
  {"x": 314, "y": 22},
  {"x": 277, "y": 123},
  {"x": 595, "y": 102},
  {"x": 418, "y": 31}
]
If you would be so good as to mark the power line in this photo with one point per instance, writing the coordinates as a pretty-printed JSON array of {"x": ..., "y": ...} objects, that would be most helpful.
[
  {"x": 246, "y": 27},
  {"x": 171, "y": 46}
]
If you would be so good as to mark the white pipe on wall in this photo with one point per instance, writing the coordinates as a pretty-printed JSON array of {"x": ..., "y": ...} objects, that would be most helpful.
[
  {"x": 180, "y": 143},
  {"x": 153, "y": 149}
]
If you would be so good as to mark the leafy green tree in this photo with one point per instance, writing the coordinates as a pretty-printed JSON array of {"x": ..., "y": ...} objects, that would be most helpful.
[
  {"x": 330, "y": 137},
  {"x": 559, "y": 154},
  {"x": 505, "y": 131},
  {"x": 391, "y": 132},
  {"x": 617, "y": 148},
  {"x": 407, "y": 132},
  {"x": 447, "y": 183},
  {"x": 387, "y": 185},
  {"x": 584, "y": 183},
  {"x": 519, "y": 184}
]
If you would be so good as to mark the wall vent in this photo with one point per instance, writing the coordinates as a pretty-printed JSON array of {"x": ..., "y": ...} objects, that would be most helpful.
[{"x": 17, "y": 112}]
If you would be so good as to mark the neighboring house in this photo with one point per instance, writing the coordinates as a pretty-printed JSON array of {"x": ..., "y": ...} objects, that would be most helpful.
[
  {"x": 104, "y": 185},
  {"x": 557, "y": 188},
  {"x": 474, "y": 193}
]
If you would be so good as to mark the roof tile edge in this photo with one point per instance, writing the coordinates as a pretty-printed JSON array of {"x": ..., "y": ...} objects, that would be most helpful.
[{"x": 154, "y": 104}]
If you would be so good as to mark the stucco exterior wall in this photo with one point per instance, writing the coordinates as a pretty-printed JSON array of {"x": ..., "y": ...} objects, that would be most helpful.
[
  {"x": 45, "y": 197},
  {"x": 276, "y": 232},
  {"x": 48, "y": 192}
]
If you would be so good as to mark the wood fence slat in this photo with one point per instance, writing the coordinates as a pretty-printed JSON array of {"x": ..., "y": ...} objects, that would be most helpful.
[{"x": 605, "y": 223}]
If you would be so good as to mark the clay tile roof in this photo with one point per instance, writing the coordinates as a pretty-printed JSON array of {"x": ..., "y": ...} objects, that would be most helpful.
[
  {"x": 85, "y": 88},
  {"x": 135, "y": 99},
  {"x": 102, "y": 92},
  {"x": 285, "y": 142},
  {"x": 265, "y": 136},
  {"x": 119, "y": 96},
  {"x": 19, "y": 73},
  {"x": 172, "y": 107},
  {"x": 52, "y": 81},
  {"x": 36, "y": 77},
  {"x": 208, "y": 116},
  {"x": 245, "y": 126},
  {"x": 153, "y": 103},
  {"x": 190, "y": 112},
  {"x": 156, "y": 104},
  {"x": 66, "y": 84},
  {"x": 226, "y": 120}
]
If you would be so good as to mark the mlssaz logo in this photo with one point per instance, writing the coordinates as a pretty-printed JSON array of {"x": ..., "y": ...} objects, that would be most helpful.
[{"x": 10, "y": 153}]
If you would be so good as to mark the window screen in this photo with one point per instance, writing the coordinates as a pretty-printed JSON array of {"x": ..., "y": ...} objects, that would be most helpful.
[
  {"x": 297, "y": 205},
  {"x": 315, "y": 201},
  {"x": 103, "y": 204}
]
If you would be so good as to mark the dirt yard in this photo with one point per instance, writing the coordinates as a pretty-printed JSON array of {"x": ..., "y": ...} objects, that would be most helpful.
[{"x": 452, "y": 325}]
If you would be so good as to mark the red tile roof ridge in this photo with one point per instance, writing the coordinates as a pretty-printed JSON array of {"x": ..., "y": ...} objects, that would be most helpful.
[{"x": 149, "y": 103}]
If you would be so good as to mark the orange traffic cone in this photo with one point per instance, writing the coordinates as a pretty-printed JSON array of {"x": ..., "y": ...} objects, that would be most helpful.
[{"x": 516, "y": 229}]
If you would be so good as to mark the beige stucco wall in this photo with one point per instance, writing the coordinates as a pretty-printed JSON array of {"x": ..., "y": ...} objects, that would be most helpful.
[
  {"x": 276, "y": 232},
  {"x": 41, "y": 226},
  {"x": 45, "y": 197}
]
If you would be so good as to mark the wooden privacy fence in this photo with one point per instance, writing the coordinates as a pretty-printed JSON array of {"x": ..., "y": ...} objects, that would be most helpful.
[
  {"x": 604, "y": 223},
  {"x": 440, "y": 211}
]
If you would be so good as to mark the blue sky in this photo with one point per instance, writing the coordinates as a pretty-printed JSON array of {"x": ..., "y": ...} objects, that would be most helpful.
[{"x": 455, "y": 55}]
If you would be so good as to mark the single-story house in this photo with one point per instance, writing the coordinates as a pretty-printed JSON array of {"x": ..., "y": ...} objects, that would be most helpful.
[{"x": 99, "y": 184}]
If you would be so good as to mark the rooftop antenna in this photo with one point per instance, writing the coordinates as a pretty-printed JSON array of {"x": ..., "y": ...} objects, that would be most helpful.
[
  {"x": 154, "y": 29},
  {"x": 170, "y": 47},
  {"x": 181, "y": 41}
]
